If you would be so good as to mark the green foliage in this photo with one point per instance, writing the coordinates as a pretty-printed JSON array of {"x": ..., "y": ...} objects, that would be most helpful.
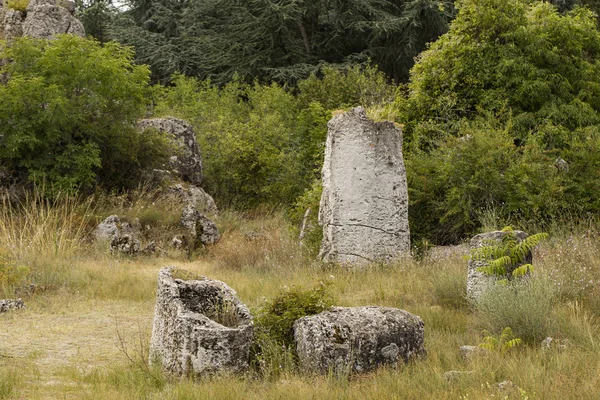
[
  {"x": 68, "y": 115},
  {"x": 18, "y": 5},
  {"x": 276, "y": 317},
  {"x": 282, "y": 40},
  {"x": 11, "y": 273},
  {"x": 334, "y": 88},
  {"x": 525, "y": 306},
  {"x": 96, "y": 16},
  {"x": 517, "y": 58},
  {"x": 505, "y": 259},
  {"x": 506, "y": 341}
]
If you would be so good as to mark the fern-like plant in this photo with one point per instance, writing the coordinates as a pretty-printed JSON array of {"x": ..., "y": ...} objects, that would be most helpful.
[
  {"x": 502, "y": 343},
  {"x": 503, "y": 259}
]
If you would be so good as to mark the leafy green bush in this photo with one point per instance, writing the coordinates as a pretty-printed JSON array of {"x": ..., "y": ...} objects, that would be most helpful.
[
  {"x": 506, "y": 259},
  {"x": 18, "y": 5},
  {"x": 68, "y": 114},
  {"x": 525, "y": 306},
  {"x": 518, "y": 58},
  {"x": 276, "y": 317}
]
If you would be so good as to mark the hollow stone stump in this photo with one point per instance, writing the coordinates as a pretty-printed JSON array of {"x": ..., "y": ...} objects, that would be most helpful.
[
  {"x": 364, "y": 205},
  {"x": 478, "y": 282},
  {"x": 200, "y": 327},
  {"x": 357, "y": 339}
]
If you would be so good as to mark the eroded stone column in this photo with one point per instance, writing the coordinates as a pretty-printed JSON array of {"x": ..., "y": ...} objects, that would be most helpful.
[{"x": 364, "y": 205}]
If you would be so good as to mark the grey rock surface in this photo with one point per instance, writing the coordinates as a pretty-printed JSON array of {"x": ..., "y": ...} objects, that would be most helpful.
[
  {"x": 11, "y": 24},
  {"x": 201, "y": 229},
  {"x": 200, "y": 326},
  {"x": 121, "y": 236},
  {"x": 187, "y": 164},
  {"x": 357, "y": 339},
  {"x": 9, "y": 305},
  {"x": 364, "y": 205},
  {"x": 478, "y": 282},
  {"x": 196, "y": 197},
  {"x": 48, "y": 18}
]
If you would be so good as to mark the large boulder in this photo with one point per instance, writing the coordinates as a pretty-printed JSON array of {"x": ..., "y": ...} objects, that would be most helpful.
[
  {"x": 364, "y": 205},
  {"x": 200, "y": 326},
  {"x": 191, "y": 195},
  {"x": 43, "y": 19},
  {"x": 357, "y": 339},
  {"x": 187, "y": 163},
  {"x": 478, "y": 282},
  {"x": 202, "y": 230},
  {"x": 121, "y": 236}
]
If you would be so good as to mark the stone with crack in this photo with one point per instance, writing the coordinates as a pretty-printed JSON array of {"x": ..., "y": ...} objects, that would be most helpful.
[
  {"x": 357, "y": 339},
  {"x": 364, "y": 205},
  {"x": 200, "y": 326}
]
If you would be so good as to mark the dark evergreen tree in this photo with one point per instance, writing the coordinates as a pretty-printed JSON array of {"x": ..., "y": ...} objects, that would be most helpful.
[{"x": 281, "y": 40}]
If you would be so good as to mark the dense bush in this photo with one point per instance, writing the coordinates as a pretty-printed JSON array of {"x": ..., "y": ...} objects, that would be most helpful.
[
  {"x": 525, "y": 306},
  {"x": 68, "y": 113},
  {"x": 519, "y": 59},
  {"x": 261, "y": 144}
]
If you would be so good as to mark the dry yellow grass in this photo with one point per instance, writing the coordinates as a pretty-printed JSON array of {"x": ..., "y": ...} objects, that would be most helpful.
[{"x": 67, "y": 344}]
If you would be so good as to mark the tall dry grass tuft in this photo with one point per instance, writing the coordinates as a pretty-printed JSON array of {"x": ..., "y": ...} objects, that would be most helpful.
[
  {"x": 39, "y": 228},
  {"x": 262, "y": 242},
  {"x": 41, "y": 236}
]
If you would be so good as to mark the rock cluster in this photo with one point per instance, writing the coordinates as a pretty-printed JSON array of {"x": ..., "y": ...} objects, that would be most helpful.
[
  {"x": 200, "y": 326},
  {"x": 121, "y": 236},
  {"x": 364, "y": 205},
  {"x": 202, "y": 230},
  {"x": 478, "y": 282},
  {"x": 43, "y": 19},
  {"x": 9, "y": 305},
  {"x": 357, "y": 339}
]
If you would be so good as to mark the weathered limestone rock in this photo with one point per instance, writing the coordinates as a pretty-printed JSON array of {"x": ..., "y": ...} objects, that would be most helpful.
[
  {"x": 187, "y": 164},
  {"x": 202, "y": 230},
  {"x": 9, "y": 305},
  {"x": 357, "y": 339},
  {"x": 196, "y": 197},
  {"x": 364, "y": 205},
  {"x": 200, "y": 326},
  {"x": 11, "y": 24},
  {"x": 47, "y": 18},
  {"x": 478, "y": 282},
  {"x": 121, "y": 236}
]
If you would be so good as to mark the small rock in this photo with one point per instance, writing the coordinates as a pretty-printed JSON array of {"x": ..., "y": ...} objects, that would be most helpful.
[
  {"x": 178, "y": 242},
  {"x": 506, "y": 386},
  {"x": 561, "y": 165},
  {"x": 10, "y": 305},
  {"x": 469, "y": 352},
  {"x": 108, "y": 229},
  {"x": 452, "y": 376},
  {"x": 125, "y": 244},
  {"x": 559, "y": 344}
]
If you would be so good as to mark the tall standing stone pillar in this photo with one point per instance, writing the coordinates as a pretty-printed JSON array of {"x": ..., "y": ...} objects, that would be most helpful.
[{"x": 364, "y": 205}]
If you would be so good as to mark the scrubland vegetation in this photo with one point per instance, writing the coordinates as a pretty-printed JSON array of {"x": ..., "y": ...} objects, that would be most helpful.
[{"x": 501, "y": 122}]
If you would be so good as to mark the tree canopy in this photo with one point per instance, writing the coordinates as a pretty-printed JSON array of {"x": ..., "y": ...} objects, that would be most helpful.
[{"x": 68, "y": 114}]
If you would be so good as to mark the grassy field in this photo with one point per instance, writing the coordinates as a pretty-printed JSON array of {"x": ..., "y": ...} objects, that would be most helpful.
[{"x": 85, "y": 331}]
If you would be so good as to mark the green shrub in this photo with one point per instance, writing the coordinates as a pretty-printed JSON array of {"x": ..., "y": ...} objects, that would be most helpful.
[
  {"x": 11, "y": 273},
  {"x": 450, "y": 287},
  {"x": 525, "y": 306},
  {"x": 277, "y": 316},
  {"x": 18, "y": 5},
  {"x": 68, "y": 115},
  {"x": 516, "y": 57},
  {"x": 335, "y": 89}
]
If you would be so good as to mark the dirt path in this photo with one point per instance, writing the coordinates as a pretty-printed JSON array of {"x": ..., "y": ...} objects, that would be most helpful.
[{"x": 43, "y": 344}]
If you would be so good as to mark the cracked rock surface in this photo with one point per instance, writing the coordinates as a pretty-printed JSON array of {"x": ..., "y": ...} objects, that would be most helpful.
[
  {"x": 357, "y": 339},
  {"x": 364, "y": 205},
  {"x": 200, "y": 326}
]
